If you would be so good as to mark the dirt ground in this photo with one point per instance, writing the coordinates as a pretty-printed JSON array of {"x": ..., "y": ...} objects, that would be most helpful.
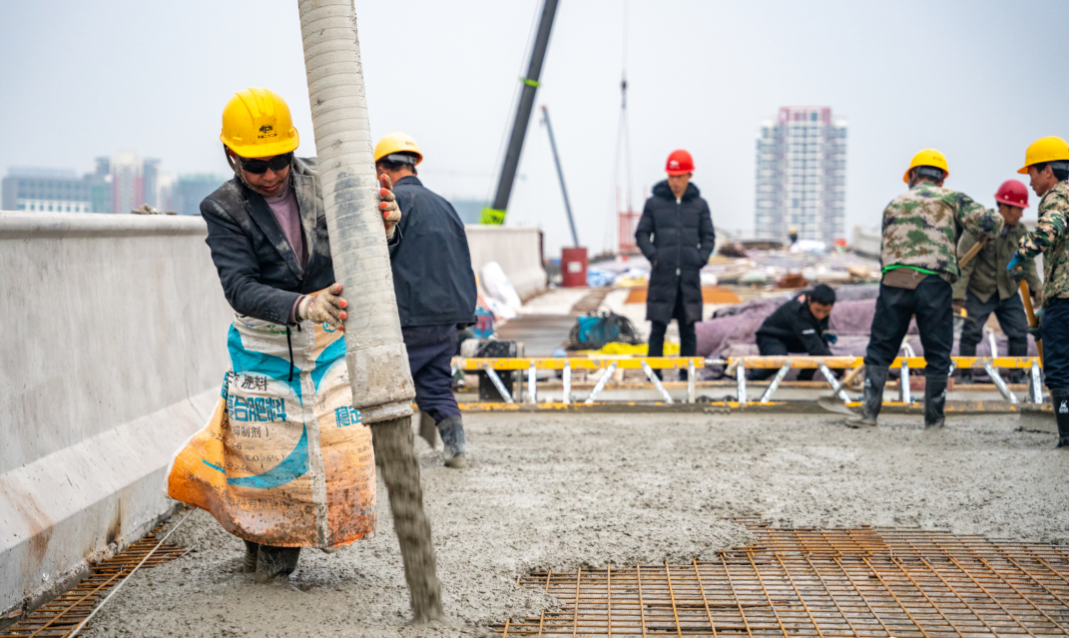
[{"x": 560, "y": 491}]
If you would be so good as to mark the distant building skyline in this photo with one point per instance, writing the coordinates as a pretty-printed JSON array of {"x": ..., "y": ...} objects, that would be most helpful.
[
  {"x": 801, "y": 175},
  {"x": 119, "y": 183},
  {"x": 45, "y": 190}
]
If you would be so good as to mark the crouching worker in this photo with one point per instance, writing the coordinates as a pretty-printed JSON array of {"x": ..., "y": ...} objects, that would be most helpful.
[
  {"x": 285, "y": 461},
  {"x": 435, "y": 288},
  {"x": 800, "y": 325}
]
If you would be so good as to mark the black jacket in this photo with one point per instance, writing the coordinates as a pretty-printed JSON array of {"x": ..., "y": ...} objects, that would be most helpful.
[
  {"x": 432, "y": 274},
  {"x": 677, "y": 238},
  {"x": 257, "y": 267},
  {"x": 797, "y": 328}
]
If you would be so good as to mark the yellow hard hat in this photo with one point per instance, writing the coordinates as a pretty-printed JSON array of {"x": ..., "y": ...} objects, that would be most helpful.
[
  {"x": 397, "y": 143},
  {"x": 257, "y": 123},
  {"x": 1045, "y": 149},
  {"x": 927, "y": 157}
]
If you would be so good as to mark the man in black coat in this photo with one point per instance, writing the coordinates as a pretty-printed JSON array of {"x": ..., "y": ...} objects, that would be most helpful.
[
  {"x": 800, "y": 325},
  {"x": 435, "y": 287},
  {"x": 676, "y": 235}
]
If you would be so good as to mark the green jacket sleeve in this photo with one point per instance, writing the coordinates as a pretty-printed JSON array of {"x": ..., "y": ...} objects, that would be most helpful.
[
  {"x": 1051, "y": 224},
  {"x": 968, "y": 240}
]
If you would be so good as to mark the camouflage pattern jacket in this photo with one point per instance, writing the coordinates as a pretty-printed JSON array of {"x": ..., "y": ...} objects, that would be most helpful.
[
  {"x": 986, "y": 274},
  {"x": 1050, "y": 238},
  {"x": 921, "y": 228}
]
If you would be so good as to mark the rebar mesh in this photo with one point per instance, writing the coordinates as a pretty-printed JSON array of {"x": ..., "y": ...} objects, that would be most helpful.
[
  {"x": 874, "y": 583},
  {"x": 59, "y": 617}
]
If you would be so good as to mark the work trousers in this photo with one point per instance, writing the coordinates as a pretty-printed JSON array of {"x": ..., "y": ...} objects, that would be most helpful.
[
  {"x": 688, "y": 339},
  {"x": 773, "y": 347},
  {"x": 931, "y": 302},
  {"x": 1055, "y": 332},
  {"x": 430, "y": 351},
  {"x": 1011, "y": 317}
]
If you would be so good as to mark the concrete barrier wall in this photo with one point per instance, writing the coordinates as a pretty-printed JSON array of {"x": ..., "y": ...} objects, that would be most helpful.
[
  {"x": 112, "y": 354},
  {"x": 518, "y": 250}
]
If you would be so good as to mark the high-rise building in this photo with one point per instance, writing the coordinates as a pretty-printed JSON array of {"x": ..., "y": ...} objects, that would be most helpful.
[
  {"x": 188, "y": 191},
  {"x": 45, "y": 190},
  {"x": 100, "y": 185},
  {"x": 150, "y": 180},
  {"x": 801, "y": 175},
  {"x": 127, "y": 182}
]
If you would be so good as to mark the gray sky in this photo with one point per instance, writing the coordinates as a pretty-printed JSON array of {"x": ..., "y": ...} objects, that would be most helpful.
[{"x": 979, "y": 80}]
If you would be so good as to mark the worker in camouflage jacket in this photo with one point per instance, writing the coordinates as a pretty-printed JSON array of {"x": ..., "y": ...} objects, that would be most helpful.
[
  {"x": 918, "y": 251},
  {"x": 985, "y": 286},
  {"x": 1047, "y": 166}
]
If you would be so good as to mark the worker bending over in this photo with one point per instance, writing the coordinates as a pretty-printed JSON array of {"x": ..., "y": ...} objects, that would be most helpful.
[
  {"x": 985, "y": 286},
  {"x": 800, "y": 325},
  {"x": 267, "y": 231},
  {"x": 1047, "y": 166},
  {"x": 434, "y": 284},
  {"x": 676, "y": 235},
  {"x": 918, "y": 252}
]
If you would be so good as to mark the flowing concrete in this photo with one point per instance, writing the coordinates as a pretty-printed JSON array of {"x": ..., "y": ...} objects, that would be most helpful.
[
  {"x": 561, "y": 491},
  {"x": 114, "y": 348}
]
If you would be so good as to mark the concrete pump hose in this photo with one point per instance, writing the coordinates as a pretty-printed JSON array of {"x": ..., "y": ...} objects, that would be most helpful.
[{"x": 375, "y": 352}]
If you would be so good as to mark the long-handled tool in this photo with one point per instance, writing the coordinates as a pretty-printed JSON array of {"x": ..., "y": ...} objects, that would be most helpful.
[
  {"x": 1032, "y": 321},
  {"x": 832, "y": 403}
]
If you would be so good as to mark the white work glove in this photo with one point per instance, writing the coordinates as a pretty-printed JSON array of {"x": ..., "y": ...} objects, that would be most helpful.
[
  {"x": 391, "y": 214},
  {"x": 327, "y": 306}
]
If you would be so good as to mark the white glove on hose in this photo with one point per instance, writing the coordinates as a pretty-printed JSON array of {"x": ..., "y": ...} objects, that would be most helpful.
[{"x": 326, "y": 307}]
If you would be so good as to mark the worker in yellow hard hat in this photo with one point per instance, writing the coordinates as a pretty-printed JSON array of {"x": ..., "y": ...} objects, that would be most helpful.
[
  {"x": 268, "y": 237},
  {"x": 1047, "y": 165},
  {"x": 919, "y": 257},
  {"x": 435, "y": 289}
]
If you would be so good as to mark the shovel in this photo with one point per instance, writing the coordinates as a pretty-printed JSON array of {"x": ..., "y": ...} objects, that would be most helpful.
[{"x": 836, "y": 404}]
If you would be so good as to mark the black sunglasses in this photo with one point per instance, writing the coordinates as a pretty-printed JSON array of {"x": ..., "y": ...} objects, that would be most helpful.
[{"x": 259, "y": 167}]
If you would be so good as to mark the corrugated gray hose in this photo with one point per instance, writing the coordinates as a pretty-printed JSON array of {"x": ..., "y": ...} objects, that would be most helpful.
[
  {"x": 375, "y": 352},
  {"x": 378, "y": 363}
]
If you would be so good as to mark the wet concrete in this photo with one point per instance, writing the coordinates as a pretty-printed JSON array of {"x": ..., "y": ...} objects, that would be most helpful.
[{"x": 559, "y": 491}]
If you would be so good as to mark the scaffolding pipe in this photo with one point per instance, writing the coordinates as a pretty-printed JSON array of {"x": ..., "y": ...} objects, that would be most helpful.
[{"x": 560, "y": 176}]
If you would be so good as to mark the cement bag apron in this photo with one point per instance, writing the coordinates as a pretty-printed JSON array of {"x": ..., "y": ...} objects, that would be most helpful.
[{"x": 285, "y": 459}]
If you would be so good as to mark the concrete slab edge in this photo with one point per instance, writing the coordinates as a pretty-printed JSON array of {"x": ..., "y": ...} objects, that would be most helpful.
[{"x": 82, "y": 501}]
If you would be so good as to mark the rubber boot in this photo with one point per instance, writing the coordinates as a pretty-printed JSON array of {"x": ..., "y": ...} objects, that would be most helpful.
[
  {"x": 875, "y": 378},
  {"x": 451, "y": 429},
  {"x": 273, "y": 562},
  {"x": 252, "y": 552},
  {"x": 935, "y": 399},
  {"x": 1060, "y": 399}
]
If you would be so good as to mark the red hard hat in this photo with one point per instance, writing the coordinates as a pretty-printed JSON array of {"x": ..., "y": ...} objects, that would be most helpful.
[
  {"x": 679, "y": 163},
  {"x": 1012, "y": 193}
]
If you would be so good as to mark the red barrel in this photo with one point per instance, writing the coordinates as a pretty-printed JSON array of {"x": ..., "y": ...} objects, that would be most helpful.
[{"x": 573, "y": 267}]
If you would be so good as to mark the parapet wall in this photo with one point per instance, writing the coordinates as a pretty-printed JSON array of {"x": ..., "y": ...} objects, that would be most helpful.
[{"x": 112, "y": 354}]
